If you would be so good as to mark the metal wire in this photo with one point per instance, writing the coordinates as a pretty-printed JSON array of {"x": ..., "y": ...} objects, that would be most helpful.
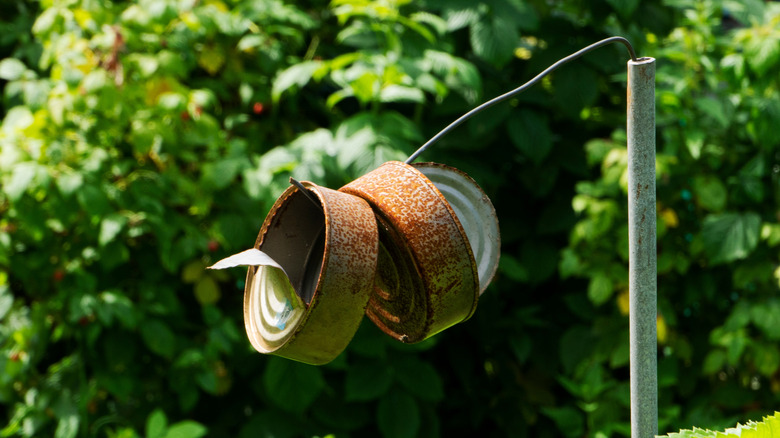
[{"x": 520, "y": 89}]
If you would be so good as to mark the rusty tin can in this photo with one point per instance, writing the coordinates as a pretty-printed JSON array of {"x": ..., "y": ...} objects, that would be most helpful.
[
  {"x": 426, "y": 278},
  {"x": 475, "y": 213},
  {"x": 329, "y": 253}
]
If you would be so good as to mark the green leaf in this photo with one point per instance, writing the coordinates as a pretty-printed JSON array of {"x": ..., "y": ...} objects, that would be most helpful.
[
  {"x": 110, "y": 227},
  {"x": 730, "y": 236},
  {"x": 576, "y": 87},
  {"x": 69, "y": 182},
  {"x": 766, "y": 359},
  {"x": 67, "y": 426},
  {"x": 399, "y": 93},
  {"x": 531, "y": 134},
  {"x": 21, "y": 177},
  {"x": 512, "y": 268},
  {"x": 714, "y": 361},
  {"x": 457, "y": 73},
  {"x": 746, "y": 11},
  {"x": 93, "y": 201},
  {"x": 159, "y": 338},
  {"x": 710, "y": 192},
  {"x": 296, "y": 75},
  {"x": 569, "y": 265},
  {"x": 494, "y": 40},
  {"x": 462, "y": 17},
  {"x": 569, "y": 420},
  {"x": 765, "y": 429},
  {"x": 766, "y": 316},
  {"x": 398, "y": 415},
  {"x": 367, "y": 380},
  {"x": 539, "y": 259},
  {"x": 6, "y": 300},
  {"x": 419, "y": 378},
  {"x": 186, "y": 429},
  {"x": 624, "y": 7},
  {"x": 600, "y": 289},
  {"x": 714, "y": 109},
  {"x": 211, "y": 58},
  {"x": 575, "y": 345},
  {"x": 762, "y": 51},
  {"x": 156, "y": 424},
  {"x": 292, "y": 386},
  {"x": 11, "y": 69},
  {"x": 220, "y": 174},
  {"x": 207, "y": 290},
  {"x": 520, "y": 12},
  {"x": 193, "y": 271}
]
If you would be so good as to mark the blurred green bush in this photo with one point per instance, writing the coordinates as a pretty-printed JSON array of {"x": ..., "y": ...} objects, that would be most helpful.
[{"x": 143, "y": 140}]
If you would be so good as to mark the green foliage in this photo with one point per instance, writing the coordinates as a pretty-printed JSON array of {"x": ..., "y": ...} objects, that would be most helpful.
[
  {"x": 141, "y": 141},
  {"x": 718, "y": 197},
  {"x": 764, "y": 429}
]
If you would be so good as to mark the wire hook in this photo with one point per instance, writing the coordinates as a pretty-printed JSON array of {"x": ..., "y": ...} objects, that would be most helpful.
[{"x": 520, "y": 89}]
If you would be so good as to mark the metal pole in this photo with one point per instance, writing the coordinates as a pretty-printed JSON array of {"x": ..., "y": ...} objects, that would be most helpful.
[{"x": 642, "y": 271}]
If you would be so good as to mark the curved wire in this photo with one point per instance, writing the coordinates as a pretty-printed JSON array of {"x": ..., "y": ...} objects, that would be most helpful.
[{"x": 520, "y": 89}]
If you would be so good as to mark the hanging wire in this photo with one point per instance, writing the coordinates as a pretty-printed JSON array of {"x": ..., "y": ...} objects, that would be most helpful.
[{"x": 520, "y": 89}]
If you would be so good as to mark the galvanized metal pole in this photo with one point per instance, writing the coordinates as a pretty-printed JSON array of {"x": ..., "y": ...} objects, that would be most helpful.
[{"x": 642, "y": 271}]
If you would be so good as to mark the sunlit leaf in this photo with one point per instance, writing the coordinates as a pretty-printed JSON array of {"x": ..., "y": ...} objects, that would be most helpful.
[
  {"x": 297, "y": 75},
  {"x": 186, "y": 429},
  {"x": 156, "y": 424},
  {"x": 11, "y": 69},
  {"x": 494, "y": 40},
  {"x": 730, "y": 236},
  {"x": 110, "y": 227}
]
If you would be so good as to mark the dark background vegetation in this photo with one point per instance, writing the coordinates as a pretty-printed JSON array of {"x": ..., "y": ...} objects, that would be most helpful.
[{"x": 143, "y": 140}]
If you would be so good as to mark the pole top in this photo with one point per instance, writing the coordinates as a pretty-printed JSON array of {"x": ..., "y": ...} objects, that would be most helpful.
[{"x": 641, "y": 61}]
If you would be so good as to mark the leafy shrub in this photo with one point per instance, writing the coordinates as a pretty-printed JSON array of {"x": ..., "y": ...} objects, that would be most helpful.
[{"x": 143, "y": 140}]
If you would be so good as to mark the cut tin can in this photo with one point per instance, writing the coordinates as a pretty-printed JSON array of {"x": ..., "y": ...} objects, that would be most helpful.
[
  {"x": 329, "y": 253},
  {"x": 427, "y": 277},
  {"x": 475, "y": 213}
]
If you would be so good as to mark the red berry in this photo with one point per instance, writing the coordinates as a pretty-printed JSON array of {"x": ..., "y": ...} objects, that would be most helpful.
[
  {"x": 257, "y": 108},
  {"x": 213, "y": 245},
  {"x": 14, "y": 356},
  {"x": 83, "y": 321},
  {"x": 185, "y": 115},
  {"x": 58, "y": 275}
]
